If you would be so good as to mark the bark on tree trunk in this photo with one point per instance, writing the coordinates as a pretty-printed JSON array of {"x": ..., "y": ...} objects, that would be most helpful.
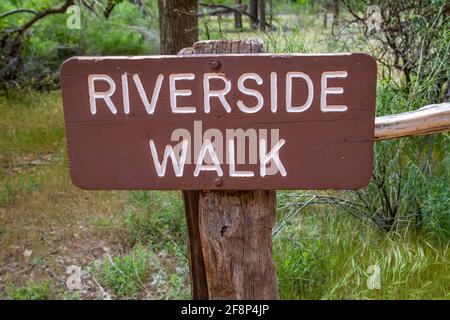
[
  {"x": 335, "y": 13},
  {"x": 253, "y": 12},
  {"x": 178, "y": 24},
  {"x": 271, "y": 14},
  {"x": 238, "y": 16},
  {"x": 230, "y": 233},
  {"x": 262, "y": 15}
]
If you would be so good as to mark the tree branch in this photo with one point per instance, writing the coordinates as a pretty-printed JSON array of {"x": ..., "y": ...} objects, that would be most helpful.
[
  {"x": 43, "y": 14},
  {"x": 222, "y": 9},
  {"x": 8, "y": 13}
]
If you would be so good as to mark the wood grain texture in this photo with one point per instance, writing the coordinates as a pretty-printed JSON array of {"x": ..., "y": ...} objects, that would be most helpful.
[
  {"x": 426, "y": 120},
  {"x": 236, "y": 233}
]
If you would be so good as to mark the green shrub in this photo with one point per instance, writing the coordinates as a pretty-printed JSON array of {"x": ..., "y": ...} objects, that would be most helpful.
[
  {"x": 126, "y": 32},
  {"x": 127, "y": 275},
  {"x": 156, "y": 217},
  {"x": 32, "y": 291},
  {"x": 410, "y": 174},
  {"x": 436, "y": 207}
]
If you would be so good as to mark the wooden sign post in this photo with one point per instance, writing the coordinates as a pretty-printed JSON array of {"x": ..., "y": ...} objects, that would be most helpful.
[
  {"x": 238, "y": 125},
  {"x": 218, "y": 239}
]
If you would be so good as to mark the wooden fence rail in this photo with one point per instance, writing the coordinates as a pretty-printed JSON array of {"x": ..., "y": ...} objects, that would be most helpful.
[{"x": 426, "y": 120}]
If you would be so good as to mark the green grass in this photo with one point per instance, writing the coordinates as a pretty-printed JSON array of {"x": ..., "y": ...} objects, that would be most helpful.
[
  {"x": 144, "y": 273},
  {"x": 32, "y": 291},
  {"x": 127, "y": 275},
  {"x": 38, "y": 201},
  {"x": 156, "y": 217},
  {"x": 326, "y": 254},
  {"x": 31, "y": 124}
]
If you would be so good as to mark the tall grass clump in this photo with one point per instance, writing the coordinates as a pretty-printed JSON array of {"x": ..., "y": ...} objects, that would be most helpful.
[
  {"x": 326, "y": 254},
  {"x": 144, "y": 273},
  {"x": 156, "y": 217},
  {"x": 126, "y": 276}
]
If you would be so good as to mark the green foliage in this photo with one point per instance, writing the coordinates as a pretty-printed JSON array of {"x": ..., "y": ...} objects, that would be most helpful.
[
  {"x": 413, "y": 35},
  {"x": 31, "y": 122},
  {"x": 11, "y": 188},
  {"x": 410, "y": 173},
  {"x": 436, "y": 206},
  {"x": 323, "y": 253},
  {"x": 156, "y": 217},
  {"x": 299, "y": 260},
  {"x": 297, "y": 7},
  {"x": 125, "y": 32},
  {"x": 127, "y": 275},
  {"x": 326, "y": 254},
  {"x": 32, "y": 291},
  {"x": 29, "y": 126},
  {"x": 160, "y": 275}
]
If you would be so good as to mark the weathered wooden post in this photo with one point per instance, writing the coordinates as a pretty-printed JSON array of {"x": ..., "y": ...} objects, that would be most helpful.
[{"x": 230, "y": 233}]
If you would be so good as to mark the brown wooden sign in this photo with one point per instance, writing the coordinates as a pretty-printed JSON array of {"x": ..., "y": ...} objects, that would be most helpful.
[{"x": 242, "y": 122}]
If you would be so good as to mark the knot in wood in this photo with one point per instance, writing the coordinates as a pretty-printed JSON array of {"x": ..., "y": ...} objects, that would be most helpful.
[{"x": 223, "y": 230}]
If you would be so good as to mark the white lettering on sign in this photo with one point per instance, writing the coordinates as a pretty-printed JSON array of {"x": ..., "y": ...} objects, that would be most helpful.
[
  {"x": 208, "y": 93},
  {"x": 233, "y": 172},
  {"x": 334, "y": 90},
  {"x": 273, "y": 92},
  {"x": 210, "y": 155},
  {"x": 304, "y": 76},
  {"x": 149, "y": 106},
  {"x": 217, "y": 93},
  {"x": 105, "y": 95},
  {"x": 178, "y": 164},
  {"x": 174, "y": 92},
  {"x": 126, "y": 94},
  {"x": 266, "y": 158},
  {"x": 208, "y": 147},
  {"x": 250, "y": 92}
]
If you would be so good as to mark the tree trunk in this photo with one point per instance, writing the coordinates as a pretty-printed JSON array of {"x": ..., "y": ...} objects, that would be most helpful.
[
  {"x": 230, "y": 233},
  {"x": 178, "y": 24},
  {"x": 447, "y": 95},
  {"x": 262, "y": 15},
  {"x": 253, "y": 12},
  {"x": 238, "y": 17},
  {"x": 271, "y": 14},
  {"x": 335, "y": 13}
]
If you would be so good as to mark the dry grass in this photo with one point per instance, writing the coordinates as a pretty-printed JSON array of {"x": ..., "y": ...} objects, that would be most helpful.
[
  {"x": 41, "y": 213},
  {"x": 47, "y": 224}
]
